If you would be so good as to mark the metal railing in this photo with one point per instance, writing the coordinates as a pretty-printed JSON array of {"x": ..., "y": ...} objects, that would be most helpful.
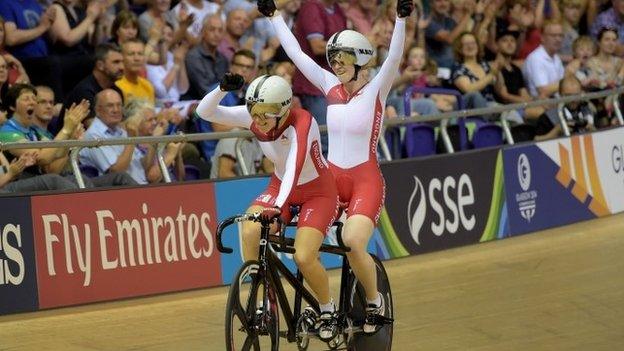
[{"x": 76, "y": 145}]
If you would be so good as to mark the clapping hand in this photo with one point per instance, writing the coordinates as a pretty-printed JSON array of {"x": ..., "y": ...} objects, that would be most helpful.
[
  {"x": 18, "y": 165},
  {"x": 74, "y": 116}
]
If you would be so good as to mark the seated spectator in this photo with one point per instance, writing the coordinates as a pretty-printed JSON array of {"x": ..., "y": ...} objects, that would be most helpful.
[
  {"x": 442, "y": 32},
  {"x": 472, "y": 75},
  {"x": 44, "y": 111},
  {"x": 583, "y": 49},
  {"x": 158, "y": 14},
  {"x": 199, "y": 10},
  {"x": 126, "y": 27},
  {"x": 510, "y": 87},
  {"x": 236, "y": 25},
  {"x": 578, "y": 115},
  {"x": 72, "y": 35},
  {"x": 605, "y": 67},
  {"x": 170, "y": 79},
  {"x": 543, "y": 68},
  {"x": 361, "y": 14},
  {"x": 16, "y": 72},
  {"x": 10, "y": 181},
  {"x": 225, "y": 163},
  {"x": 132, "y": 84},
  {"x": 204, "y": 63},
  {"x": 244, "y": 64},
  {"x": 107, "y": 125},
  {"x": 141, "y": 120},
  {"x": 611, "y": 18},
  {"x": 4, "y": 87},
  {"x": 22, "y": 101},
  {"x": 526, "y": 16},
  {"x": 572, "y": 10}
]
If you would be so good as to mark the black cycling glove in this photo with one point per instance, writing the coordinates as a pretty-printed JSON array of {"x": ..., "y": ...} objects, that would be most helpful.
[
  {"x": 231, "y": 82},
  {"x": 404, "y": 8},
  {"x": 267, "y": 7}
]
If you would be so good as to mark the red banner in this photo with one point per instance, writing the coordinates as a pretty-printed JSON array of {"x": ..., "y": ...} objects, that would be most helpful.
[{"x": 113, "y": 244}]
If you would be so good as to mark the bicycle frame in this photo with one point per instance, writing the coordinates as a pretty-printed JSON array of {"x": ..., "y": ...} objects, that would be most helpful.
[{"x": 273, "y": 267}]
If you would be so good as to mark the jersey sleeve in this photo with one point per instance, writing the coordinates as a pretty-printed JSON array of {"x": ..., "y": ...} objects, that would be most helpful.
[
  {"x": 209, "y": 110},
  {"x": 389, "y": 69},
  {"x": 316, "y": 74},
  {"x": 299, "y": 148}
]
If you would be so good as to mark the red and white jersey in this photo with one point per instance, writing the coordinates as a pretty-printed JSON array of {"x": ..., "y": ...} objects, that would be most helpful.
[
  {"x": 353, "y": 121},
  {"x": 295, "y": 153}
]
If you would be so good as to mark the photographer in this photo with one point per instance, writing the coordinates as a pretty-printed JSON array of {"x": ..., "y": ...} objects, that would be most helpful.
[{"x": 579, "y": 115}]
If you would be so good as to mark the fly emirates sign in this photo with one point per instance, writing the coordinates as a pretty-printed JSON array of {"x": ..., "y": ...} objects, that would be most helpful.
[{"x": 120, "y": 243}]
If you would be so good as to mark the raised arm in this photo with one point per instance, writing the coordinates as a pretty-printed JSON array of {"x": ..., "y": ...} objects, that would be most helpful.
[
  {"x": 390, "y": 68},
  {"x": 209, "y": 109},
  {"x": 299, "y": 148},
  {"x": 318, "y": 76}
]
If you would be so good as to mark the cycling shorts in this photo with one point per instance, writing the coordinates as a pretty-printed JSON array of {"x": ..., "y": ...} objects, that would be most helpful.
[
  {"x": 362, "y": 187},
  {"x": 317, "y": 199}
]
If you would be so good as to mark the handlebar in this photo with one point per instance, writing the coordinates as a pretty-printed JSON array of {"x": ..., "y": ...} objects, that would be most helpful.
[{"x": 283, "y": 241}]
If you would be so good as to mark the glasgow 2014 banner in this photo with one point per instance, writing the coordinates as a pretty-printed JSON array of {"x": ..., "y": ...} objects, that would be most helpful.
[
  {"x": 563, "y": 181},
  {"x": 442, "y": 202}
]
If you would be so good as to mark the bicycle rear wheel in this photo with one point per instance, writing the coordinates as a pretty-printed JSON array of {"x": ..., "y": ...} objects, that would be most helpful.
[
  {"x": 251, "y": 315},
  {"x": 356, "y": 309}
]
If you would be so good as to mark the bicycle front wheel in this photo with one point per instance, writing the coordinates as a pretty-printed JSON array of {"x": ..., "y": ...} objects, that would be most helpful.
[
  {"x": 382, "y": 339},
  {"x": 251, "y": 313}
]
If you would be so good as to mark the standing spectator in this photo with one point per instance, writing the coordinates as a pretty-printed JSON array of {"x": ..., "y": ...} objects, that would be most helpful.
[
  {"x": 108, "y": 69},
  {"x": 170, "y": 80},
  {"x": 107, "y": 125},
  {"x": 572, "y": 10},
  {"x": 158, "y": 14},
  {"x": 204, "y": 63},
  {"x": 71, "y": 40},
  {"x": 25, "y": 25},
  {"x": 141, "y": 120},
  {"x": 244, "y": 64},
  {"x": 611, "y": 18},
  {"x": 235, "y": 26},
  {"x": 16, "y": 72},
  {"x": 442, "y": 32},
  {"x": 131, "y": 83},
  {"x": 316, "y": 22},
  {"x": 199, "y": 10},
  {"x": 543, "y": 68},
  {"x": 44, "y": 111}
]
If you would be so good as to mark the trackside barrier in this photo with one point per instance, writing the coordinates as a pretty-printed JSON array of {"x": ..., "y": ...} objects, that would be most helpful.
[{"x": 71, "y": 248}]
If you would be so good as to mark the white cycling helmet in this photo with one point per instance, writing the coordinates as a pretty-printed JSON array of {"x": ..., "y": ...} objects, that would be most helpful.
[
  {"x": 269, "y": 90},
  {"x": 352, "y": 42}
]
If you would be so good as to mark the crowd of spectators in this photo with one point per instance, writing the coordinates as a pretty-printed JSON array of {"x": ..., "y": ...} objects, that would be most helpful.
[{"x": 72, "y": 69}]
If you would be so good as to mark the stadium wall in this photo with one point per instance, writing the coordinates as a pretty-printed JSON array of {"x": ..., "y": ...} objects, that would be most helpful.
[{"x": 67, "y": 249}]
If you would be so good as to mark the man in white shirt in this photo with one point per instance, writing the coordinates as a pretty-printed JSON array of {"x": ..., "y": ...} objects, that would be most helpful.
[{"x": 543, "y": 68}]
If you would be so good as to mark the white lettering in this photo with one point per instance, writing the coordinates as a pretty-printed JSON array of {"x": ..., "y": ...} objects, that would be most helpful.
[
  {"x": 49, "y": 239},
  {"x": 205, "y": 220},
  {"x": 104, "y": 233},
  {"x": 13, "y": 254},
  {"x": 451, "y": 226},
  {"x": 465, "y": 198},
  {"x": 438, "y": 228},
  {"x": 192, "y": 231}
]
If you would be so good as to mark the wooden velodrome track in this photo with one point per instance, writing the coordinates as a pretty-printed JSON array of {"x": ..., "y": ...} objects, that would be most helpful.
[{"x": 560, "y": 289}]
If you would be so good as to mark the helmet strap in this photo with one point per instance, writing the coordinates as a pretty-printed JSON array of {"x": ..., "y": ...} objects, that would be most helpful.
[{"x": 357, "y": 71}]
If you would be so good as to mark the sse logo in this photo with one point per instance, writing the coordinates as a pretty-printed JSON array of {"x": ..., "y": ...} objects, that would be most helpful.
[
  {"x": 448, "y": 199},
  {"x": 12, "y": 266}
]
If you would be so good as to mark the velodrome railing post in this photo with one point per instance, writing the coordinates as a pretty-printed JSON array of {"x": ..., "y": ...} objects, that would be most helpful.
[
  {"x": 616, "y": 108},
  {"x": 161, "y": 162},
  {"x": 506, "y": 129},
  {"x": 445, "y": 137},
  {"x": 562, "y": 120},
  {"x": 384, "y": 145},
  {"x": 240, "y": 159},
  {"x": 73, "y": 159}
]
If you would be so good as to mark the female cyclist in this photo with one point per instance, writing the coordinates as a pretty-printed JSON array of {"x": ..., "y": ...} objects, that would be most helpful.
[
  {"x": 290, "y": 138},
  {"x": 354, "y": 118}
]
